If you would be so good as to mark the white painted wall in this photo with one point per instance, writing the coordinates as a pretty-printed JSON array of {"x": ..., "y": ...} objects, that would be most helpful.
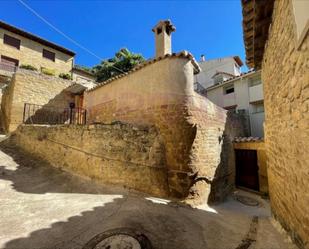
[
  {"x": 256, "y": 93},
  {"x": 256, "y": 123},
  {"x": 244, "y": 95},
  {"x": 210, "y": 67}
]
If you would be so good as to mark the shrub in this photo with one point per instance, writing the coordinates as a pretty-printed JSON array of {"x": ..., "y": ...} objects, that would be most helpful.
[
  {"x": 48, "y": 71},
  {"x": 28, "y": 67},
  {"x": 65, "y": 76}
]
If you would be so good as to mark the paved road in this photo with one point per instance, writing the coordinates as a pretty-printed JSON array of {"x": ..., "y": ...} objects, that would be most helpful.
[{"x": 43, "y": 207}]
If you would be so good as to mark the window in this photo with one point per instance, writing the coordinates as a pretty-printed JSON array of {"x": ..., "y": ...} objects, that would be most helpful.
[
  {"x": 9, "y": 40},
  {"x": 9, "y": 61},
  {"x": 229, "y": 89},
  {"x": 49, "y": 55}
]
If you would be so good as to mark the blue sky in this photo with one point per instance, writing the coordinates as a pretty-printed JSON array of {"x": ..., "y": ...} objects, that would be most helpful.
[{"x": 212, "y": 28}]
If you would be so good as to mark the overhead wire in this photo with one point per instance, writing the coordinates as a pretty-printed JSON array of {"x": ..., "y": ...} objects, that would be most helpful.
[{"x": 63, "y": 34}]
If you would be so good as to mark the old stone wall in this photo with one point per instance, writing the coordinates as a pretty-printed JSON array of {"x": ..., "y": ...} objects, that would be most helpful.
[
  {"x": 120, "y": 154},
  {"x": 30, "y": 52},
  {"x": 225, "y": 172},
  {"x": 191, "y": 126},
  {"x": 34, "y": 88},
  {"x": 286, "y": 91}
]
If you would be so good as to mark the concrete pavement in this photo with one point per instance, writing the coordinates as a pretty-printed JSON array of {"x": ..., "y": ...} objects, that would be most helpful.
[{"x": 44, "y": 207}]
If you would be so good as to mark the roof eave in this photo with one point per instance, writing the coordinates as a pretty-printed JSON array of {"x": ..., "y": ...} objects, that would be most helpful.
[
  {"x": 36, "y": 38},
  {"x": 256, "y": 21}
]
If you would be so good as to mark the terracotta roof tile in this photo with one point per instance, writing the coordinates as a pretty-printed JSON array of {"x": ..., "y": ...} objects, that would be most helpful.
[
  {"x": 221, "y": 72},
  {"x": 248, "y": 139},
  {"x": 182, "y": 54}
]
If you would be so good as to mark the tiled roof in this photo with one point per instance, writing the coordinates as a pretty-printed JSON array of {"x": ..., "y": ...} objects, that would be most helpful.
[
  {"x": 238, "y": 60},
  {"x": 36, "y": 38},
  {"x": 221, "y": 72},
  {"x": 247, "y": 139},
  {"x": 182, "y": 54},
  {"x": 233, "y": 78},
  {"x": 80, "y": 69}
]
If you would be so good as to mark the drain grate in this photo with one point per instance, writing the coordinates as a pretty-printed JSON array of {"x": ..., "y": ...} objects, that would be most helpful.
[
  {"x": 247, "y": 200},
  {"x": 120, "y": 238}
]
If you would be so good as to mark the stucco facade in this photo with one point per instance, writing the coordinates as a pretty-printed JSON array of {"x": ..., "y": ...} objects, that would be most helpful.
[
  {"x": 247, "y": 94},
  {"x": 31, "y": 53},
  {"x": 210, "y": 67}
]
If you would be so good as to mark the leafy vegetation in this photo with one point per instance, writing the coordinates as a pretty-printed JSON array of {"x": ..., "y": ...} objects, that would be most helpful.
[
  {"x": 122, "y": 62},
  {"x": 28, "y": 67},
  {"x": 48, "y": 71},
  {"x": 84, "y": 68},
  {"x": 65, "y": 76}
]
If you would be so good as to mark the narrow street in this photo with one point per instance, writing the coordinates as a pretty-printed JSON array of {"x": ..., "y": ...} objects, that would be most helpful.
[{"x": 43, "y": 207}]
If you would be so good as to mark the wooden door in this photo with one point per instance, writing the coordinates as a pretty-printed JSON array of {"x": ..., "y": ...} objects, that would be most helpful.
[{"x": 247, "y": 170}]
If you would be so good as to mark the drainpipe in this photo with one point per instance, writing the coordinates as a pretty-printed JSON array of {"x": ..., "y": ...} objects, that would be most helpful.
[{"x": 72, "y": 68}]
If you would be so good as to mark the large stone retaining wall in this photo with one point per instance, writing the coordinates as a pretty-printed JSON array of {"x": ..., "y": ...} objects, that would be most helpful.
[
  {"x": 285, "y": 76},
  {"x": 192, "y": 127},
  {"x": 121, "y": 154},
  {"x": 34, "y": 88}
]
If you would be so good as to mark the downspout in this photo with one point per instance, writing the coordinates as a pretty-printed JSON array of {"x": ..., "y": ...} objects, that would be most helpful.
[{"x": 72, "y": 68}]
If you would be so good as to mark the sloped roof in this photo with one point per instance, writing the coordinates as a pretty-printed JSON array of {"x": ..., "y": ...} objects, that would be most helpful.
[
  {"x": 182, "y": 54},
  {"x": 233, "y": 78},
  {"x": 221, "y": 72},
  {"x": 80, "y": 69},
  {"x": 36, "y": 38},
  {"x": 238, "y": 60}
]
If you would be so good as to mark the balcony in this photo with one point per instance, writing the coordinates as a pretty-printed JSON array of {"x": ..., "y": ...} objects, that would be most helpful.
[
  {"x": 256, "y": 93},
  {"x": 229, "y": 100}
]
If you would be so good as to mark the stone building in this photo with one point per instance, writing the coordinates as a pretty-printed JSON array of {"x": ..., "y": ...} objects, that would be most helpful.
[
  {"x": 243, "y": 93},
  {"x": 160, "y": 92},
  {"x": 83, "y": 76},
  {"x": 276, "y": 40},
  {"x": 18, "y": 47},
  {"x": 185, "y": 145}
]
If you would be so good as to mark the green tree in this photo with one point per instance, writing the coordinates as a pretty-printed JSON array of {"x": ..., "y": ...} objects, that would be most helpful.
[{"x": 122, "y": 62}]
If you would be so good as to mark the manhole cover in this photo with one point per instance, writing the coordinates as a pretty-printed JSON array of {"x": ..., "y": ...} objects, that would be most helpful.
[
  {"x": 247, "y": 200},
  {"x": 120, "y": 238}
]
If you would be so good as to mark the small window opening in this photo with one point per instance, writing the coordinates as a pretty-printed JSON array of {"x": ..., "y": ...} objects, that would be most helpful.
[
  {"x": 49, "y": 55},
  {"x": 12, "y": 41},
  {"x": 229, "y": 90},
  {"x": 159, "y": 30}
]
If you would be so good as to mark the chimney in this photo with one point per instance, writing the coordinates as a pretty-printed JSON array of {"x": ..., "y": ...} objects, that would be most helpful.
[
  {"x": 163, "y": 32},
  {"x": 203, "y": 58}
]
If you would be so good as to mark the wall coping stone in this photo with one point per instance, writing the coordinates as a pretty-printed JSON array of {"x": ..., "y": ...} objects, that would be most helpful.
[{"x": 183, "y": 54}]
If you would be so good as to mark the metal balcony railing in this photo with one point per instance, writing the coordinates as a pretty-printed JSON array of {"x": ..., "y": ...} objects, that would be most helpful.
[{"x": 43, "y": 114}]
